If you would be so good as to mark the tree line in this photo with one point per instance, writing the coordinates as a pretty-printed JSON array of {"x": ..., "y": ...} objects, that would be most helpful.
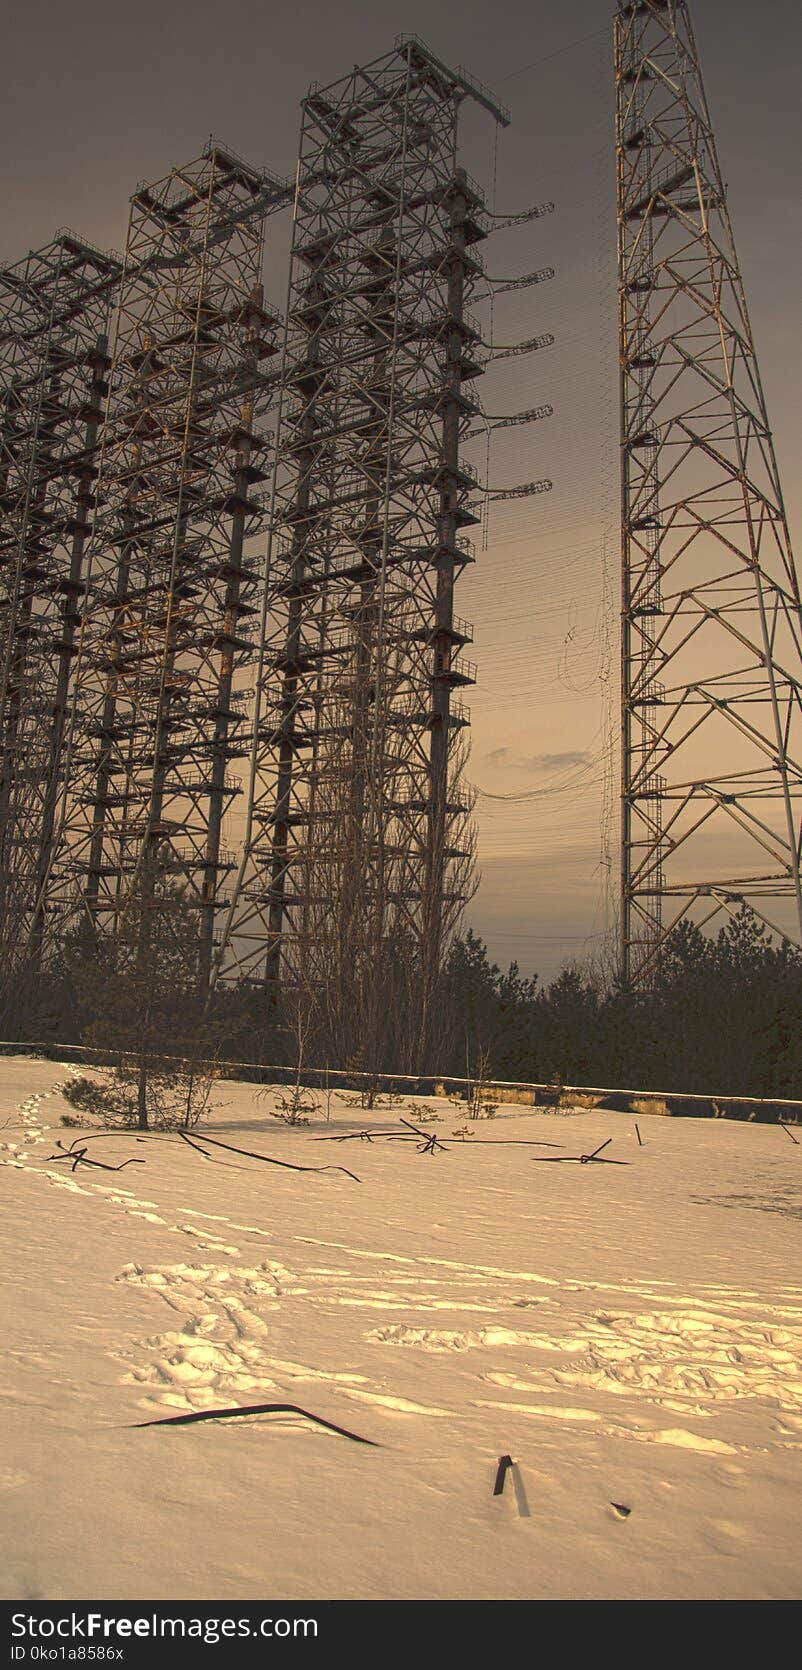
[{"x": 724, "y": 1015}]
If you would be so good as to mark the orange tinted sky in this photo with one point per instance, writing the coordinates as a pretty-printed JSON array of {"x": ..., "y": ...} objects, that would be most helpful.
[{"x": 97, "y": 97}]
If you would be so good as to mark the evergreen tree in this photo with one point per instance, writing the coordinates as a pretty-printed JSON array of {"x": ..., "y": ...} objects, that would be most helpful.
[{"x": 138, "y": 997}]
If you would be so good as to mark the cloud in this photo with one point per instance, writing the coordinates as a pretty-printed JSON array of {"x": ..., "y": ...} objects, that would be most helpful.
[
  {"x": 554, "y": 762},
  {"x": 535, "y": 763}
]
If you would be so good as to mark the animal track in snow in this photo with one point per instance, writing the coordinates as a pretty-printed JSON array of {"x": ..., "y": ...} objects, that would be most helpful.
[
  {"x": 114, "y": 1194},
  {"x": 695, "y": 1354},
  {"x": 425, "y": 1339},
  {"x": 446, "y": 1339},
  {"x": 222, "y": 1350},
  {"x": 678, "y": 1438},
  {"x": 689, "y": 1361},
  {"x": 689, "y": 1353},
  {"x": 27, "y": 1114},
  {"x": 425, "y": 1261},
  {"x": 217, "y": 1352}
]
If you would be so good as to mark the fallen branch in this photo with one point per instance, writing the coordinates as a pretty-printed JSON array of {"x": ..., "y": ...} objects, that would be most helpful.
[
  {"x": 196, "y": 1146},
  {"x": 255, "y": 1409},
  {"x": 575, "y": 1159},
  {"x": 579, "y": 1159},
  {"x": 78, "y": 1157},
  {"x": 505, "y": 1142},
  {"x": 431, "y": 1141},
  {"x": 584, "y": 1158},
  {"x": 469, "y": 1142},
  {"x": 249, "y": 1154},
  {"x": 352, "y": 1136}
]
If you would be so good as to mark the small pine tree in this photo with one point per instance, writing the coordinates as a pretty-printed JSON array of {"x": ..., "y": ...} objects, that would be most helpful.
[{"x": 139, "y": 999}]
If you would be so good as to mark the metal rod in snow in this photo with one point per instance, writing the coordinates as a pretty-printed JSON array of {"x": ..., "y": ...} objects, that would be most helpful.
[{"x": 505, "y": 1463}]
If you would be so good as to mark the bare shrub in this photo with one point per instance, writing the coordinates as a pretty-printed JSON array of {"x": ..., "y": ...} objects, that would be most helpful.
[{"x": 479, "y": 1089}]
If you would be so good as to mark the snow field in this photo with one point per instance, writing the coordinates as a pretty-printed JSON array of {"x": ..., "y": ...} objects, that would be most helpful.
[{"x": 630, "y": 1334}]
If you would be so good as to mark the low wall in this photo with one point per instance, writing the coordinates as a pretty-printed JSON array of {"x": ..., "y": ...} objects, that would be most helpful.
[{"x": 663, "y": 1103}]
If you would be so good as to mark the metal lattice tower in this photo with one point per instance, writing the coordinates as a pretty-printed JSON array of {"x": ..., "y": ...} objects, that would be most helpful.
[
  {"x": 53, "y": 366},
  {"x": 357, "y": 821},
  {"x": 712, "y": 627},
  {"x": 158, "y": 709}
]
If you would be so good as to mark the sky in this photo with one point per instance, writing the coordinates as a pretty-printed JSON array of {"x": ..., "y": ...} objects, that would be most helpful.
[{"x": 98, "y": 97}]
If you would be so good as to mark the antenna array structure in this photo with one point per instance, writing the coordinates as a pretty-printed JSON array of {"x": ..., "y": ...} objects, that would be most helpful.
[
  {"x": 358, "y": 835},
  {"x": 711, "y": 668},
  {"x": 158, "y": 702},
  {"x": 56, "y": 306}
]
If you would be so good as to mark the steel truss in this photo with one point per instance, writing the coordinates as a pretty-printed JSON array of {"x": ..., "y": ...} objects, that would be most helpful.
[
  {"x": 56, "y": 306},
  {"x": 712, "y": 627},
  {"x": 358, "y": 827},
  {"x": 159, "y": 713}
]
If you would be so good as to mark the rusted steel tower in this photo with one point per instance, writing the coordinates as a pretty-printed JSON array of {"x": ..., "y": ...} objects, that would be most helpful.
[
  {"x": 56, "y": 306},
  {"x": 712, "y": 627},
  {"x": 358, "y": 826},
  {"x": 159, "y": 709}
]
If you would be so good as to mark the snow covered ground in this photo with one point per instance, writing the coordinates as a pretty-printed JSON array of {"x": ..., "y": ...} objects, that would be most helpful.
[{"x": 630, "y": 1334}]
